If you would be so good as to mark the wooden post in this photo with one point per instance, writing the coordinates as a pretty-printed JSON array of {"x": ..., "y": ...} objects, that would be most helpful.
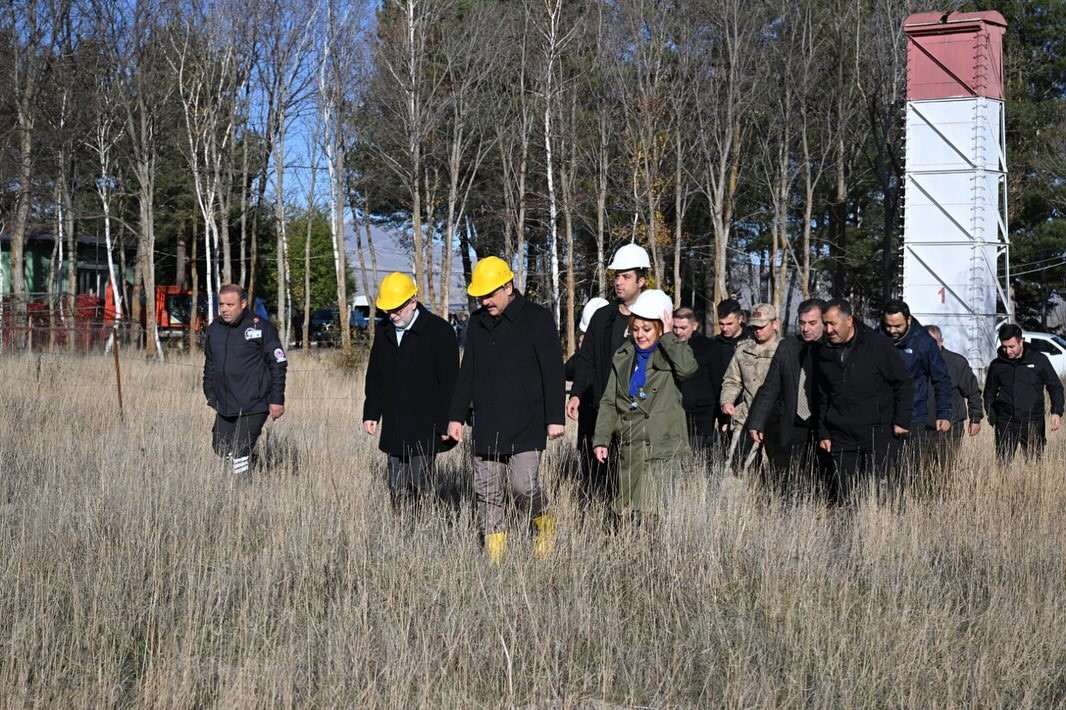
[{"x": 118, "y": 371}]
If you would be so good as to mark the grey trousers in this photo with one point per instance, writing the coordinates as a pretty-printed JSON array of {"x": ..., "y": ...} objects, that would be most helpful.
[
  {"x": 409, "y": 479},
  {"x": 493, "y": 477}
]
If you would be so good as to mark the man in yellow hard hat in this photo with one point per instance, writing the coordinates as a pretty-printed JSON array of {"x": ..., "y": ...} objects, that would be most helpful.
[
  {"x": 512, "y": 380},
  {"x": 410, "y": 379}
]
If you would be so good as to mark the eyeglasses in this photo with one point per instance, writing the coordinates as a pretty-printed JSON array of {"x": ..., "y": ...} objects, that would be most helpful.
[{"x": 399, "y": 309}]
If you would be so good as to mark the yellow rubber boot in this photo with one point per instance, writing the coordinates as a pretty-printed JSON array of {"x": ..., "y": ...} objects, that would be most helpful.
[
  {"x": 496, "y": 547},
  {"x": 544, "y": 542}
]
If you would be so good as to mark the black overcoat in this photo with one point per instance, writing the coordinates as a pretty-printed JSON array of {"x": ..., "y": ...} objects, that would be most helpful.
[
  {"x": 512, "y": 377},
  {"x": 773, "y": 411},
  {"x": 409, "y": 387}
]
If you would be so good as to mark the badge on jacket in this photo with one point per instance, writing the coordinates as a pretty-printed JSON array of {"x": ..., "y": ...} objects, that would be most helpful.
[
  {"x": 253, "y": 334},
  {"x": 279, "y": 355}
]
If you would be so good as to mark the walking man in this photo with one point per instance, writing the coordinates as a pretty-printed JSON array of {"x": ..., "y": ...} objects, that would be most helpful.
[
  {"x": 932, "y": 383},
  {"x": 512, "y": 378},
  {"x": 730, "y": 334},
  {"x": 608, "y": 328},
  {"x": 1014, "y": 395},
  {"x": 966, "y": 403},
  {"x": 587, "y": 410},
  {"x": 698, "y": 393},
  {"x": 742, "y": 380},
  {"x": 244, "y": 378},
  {"x": 865, "y": 398},
  {"x": 781, "y": 416},
  {"x": 410, "y": 379}
]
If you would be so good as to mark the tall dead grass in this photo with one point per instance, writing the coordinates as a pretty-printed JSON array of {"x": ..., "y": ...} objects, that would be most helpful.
[{"x": 134, "y": 573}]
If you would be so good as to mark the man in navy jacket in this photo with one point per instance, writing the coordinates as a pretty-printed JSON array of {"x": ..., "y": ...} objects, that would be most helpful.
[
  {"x": 923, "y": 359},
  {"x": 244, "y": 377}
]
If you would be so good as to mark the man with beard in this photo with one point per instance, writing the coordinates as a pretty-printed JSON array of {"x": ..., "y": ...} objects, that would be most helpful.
[
  {"x": 607, "y": 330},
  {"x": 929, "y": 373},
  {"x": 409, "y": 382},
  {"x": 782, "y": 415}
]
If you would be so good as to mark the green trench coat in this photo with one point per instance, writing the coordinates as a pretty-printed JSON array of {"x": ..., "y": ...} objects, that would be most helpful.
[{"x": 652, "y": 438}]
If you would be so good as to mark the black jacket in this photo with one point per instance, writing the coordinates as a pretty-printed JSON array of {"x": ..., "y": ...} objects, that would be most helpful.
[
  {"x": 929, "y": 373},
  {"x": 592, "y": 361},
  {"x": 699, "y": 393},
  {"x": 512, "y": 375},
  {"x": 965, "y": 392},
  {"x": 722, "y": 350},
  {"x": 1014, "y": 389},
  {"x": 409, "y": 387},
  {"x": 244, "y": 366},
  {"x": 865, "y": 394},
  {"x": 774, "y": 406}
]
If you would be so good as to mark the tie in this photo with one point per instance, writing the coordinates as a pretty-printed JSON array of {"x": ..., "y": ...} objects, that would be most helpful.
[{"x": 803, "y": 405}]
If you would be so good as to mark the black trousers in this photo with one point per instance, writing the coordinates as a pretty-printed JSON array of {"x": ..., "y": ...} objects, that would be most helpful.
[
  {"x": 597, "y": 484},
  {"x": 409, "y": 478},
  {"x": 234, "y": 438},
  {"x": 1026, "y": 433},
  {"x": 797, "y": 466},
  {"x": 855, "y": 467}
]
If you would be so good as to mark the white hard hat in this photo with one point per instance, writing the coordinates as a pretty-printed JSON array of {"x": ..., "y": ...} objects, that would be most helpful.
[
  {"x": 591, "y": 307},
  {"x": 650, "y": 305},
  {"x": 631, "y": 256}
]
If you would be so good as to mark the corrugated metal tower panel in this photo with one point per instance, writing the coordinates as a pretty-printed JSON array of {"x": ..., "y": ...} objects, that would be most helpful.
[{"x": 955, "y": 244}]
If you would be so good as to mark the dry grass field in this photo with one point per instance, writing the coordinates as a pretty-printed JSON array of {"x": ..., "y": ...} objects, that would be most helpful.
[{"x": 134, "y": 573}]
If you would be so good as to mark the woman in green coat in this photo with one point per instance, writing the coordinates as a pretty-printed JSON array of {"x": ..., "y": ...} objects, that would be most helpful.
[{"x": 641, "y": 409}]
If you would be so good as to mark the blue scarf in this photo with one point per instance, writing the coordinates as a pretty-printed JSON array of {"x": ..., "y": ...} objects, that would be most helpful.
[{"x": 640, "y": 368}]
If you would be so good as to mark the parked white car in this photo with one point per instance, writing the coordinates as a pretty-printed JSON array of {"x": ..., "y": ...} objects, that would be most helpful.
[{"x": 1051, "y": 345}]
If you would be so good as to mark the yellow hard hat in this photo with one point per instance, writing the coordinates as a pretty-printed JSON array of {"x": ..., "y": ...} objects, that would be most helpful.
[
  {"x": 489, "y": 274},
  {"x": 396, "y": 289}
]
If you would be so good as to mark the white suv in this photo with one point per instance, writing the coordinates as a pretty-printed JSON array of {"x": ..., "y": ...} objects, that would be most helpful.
[{"x": 1052, "y": 346}]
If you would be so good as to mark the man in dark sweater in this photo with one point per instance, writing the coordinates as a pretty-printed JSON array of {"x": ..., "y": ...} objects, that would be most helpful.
[
  {"x": 697, "y": 392},
  {"x": 731, "y": 333},
  {"x": 865, "y": 397},
  {"x": 967, "y": 409},
  {"x": 1014, "y": 395}
]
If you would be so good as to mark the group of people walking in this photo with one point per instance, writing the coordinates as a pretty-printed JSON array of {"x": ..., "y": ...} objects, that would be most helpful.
[{"x": 835, "y": 407}]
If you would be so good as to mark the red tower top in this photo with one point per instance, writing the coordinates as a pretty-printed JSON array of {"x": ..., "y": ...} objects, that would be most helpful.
[{"x": 954, "y": 55}]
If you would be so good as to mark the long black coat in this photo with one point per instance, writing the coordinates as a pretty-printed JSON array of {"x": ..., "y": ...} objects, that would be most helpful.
[
  {"x": 409, "y": 387},
  {"x": 866, "y": 394},
  {"x": 512, "y": 376},
  {"x": 592, "y": 361},
  {"x": 774, "y": 407},
  {"x": 699, "y": 393}
]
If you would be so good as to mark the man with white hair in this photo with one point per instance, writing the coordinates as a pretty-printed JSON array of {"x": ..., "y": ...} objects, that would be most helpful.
[{"x": 608, "y": 328}]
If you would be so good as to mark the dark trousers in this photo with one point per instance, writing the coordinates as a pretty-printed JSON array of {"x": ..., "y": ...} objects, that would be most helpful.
[
  {"x": 1027, "y": 433},
  {"x": 854, "y": 467},
  {"x": 598, "y": 484},
  {"x": 795, "y": 466},
  {"x": 410, "y": 478},
  {"x": 234, "y": 439}
]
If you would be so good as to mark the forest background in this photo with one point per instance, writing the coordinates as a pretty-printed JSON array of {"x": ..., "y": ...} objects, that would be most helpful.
[{"x": 210, "y": 141}]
